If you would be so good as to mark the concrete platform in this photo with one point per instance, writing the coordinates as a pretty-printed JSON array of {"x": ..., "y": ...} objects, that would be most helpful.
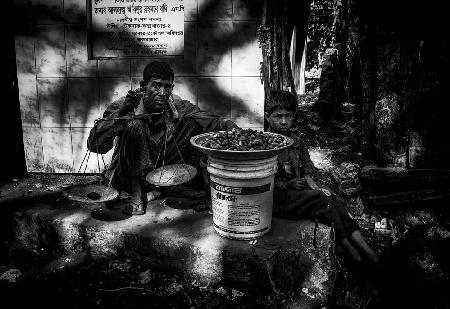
[{"x": 179, "y": 240}]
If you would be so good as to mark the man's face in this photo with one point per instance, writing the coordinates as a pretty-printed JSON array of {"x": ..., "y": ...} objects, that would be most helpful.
[
  {"x": 158, "y": 92},
  {"x": 281, "y": 120}
]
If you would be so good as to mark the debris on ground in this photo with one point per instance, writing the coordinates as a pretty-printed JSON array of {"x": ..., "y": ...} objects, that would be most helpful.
[
  {"x": 145, "y": 277},
  {"x": 116, "y": 284},
  {"x": 173, "y": 288},
  {"x": 335, "y": 152},
  {"x": 221, "y": 290},
  {"x": 382, "y": 227},
  {"x": 11, "y": 275},
  {"x": 236, "y": 294}
]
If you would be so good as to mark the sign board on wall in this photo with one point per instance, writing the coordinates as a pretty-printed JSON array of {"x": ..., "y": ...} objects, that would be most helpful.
[{"x": 135, "y": 28}]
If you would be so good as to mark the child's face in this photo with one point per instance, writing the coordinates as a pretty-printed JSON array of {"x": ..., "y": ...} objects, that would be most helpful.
[{"x": 281, "y": 119}]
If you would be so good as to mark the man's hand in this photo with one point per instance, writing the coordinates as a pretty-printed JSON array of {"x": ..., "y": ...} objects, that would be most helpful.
[
  {"x": 131, "y": 102},
  {"x": 297, "y": 183}
]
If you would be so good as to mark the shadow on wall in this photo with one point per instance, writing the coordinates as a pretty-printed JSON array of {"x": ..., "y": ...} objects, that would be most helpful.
[
  {"x": 27, "y": 25},
  {"x": 30, "y": 19}
]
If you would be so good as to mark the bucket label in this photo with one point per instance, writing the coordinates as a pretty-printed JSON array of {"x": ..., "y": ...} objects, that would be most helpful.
[
  {"x": 240, "y": 190},
  {"x": 236, "y": 215},
  {"x": 243, "y": 215},
  {"x": 239, "y": 207}
]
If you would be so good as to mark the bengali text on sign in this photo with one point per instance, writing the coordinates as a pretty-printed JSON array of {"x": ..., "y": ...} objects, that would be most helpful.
[{"x": 136, "y": 28}]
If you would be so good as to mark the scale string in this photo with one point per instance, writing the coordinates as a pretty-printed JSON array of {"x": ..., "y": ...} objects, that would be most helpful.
[
  {"x": 181, "y": 156},
  {"x": 85, "y": 167},
  {"x": 98, "y": 159},
  {"x": 164, "y": 153},
  {"x": 162, "y": 149},
  {"x": 79, "y": 169},
  {"x": 103, "y": 159},
  {"x": 159, "y": 154},
  {"x": 88, "y": 154}
]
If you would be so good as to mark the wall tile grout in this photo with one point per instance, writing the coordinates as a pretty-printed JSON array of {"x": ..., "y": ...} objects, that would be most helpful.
[
  {"x": 193, "y": 79},
  {"x": 67, "y": 96}
]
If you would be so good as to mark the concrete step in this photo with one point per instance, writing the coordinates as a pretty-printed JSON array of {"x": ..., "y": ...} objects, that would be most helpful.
[{"x": 184, "y": 241}]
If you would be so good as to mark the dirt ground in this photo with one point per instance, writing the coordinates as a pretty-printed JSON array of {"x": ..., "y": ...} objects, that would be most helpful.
[
  {"x": 413, "y": 242},
  {"x": 46, "y": 282}
]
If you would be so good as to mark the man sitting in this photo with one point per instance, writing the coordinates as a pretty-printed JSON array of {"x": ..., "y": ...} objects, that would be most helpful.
[{"x": 150, "y": 127}]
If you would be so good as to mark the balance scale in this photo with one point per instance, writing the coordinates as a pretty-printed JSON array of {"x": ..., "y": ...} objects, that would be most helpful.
[{"x": 164, "y": 176}]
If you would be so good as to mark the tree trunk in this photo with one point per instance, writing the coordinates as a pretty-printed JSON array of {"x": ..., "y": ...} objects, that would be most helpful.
[
  {"x": 298, "y": 26},
  {"x": 397, "y": 178},
  {"x": 275, "y": 34},
  {"x": 410, "y": 198},
  {"x": 334, "y": 66},
  {"x": 264, "y": 36},
  {"x": 12, "y": 141},
  {"x": 355, "y": 86},
  {"x": 297, "y": 67},
  {"x": 368, "y": 62},
  {"x": 342, "y": 72}
]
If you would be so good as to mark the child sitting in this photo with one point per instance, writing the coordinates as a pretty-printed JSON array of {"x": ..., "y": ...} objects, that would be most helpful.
[{"x": 296, "y": 195}]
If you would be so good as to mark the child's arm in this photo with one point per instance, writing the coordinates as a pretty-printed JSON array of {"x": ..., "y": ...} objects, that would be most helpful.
[
  {"x": 307, "y": 166},
  {"x": 308, "y": 169},
  {"x": 280, "y": 185},
  {"x": 294, "y": 183},
  {"x": 310, "y": 182},
  {"x": 313, "y": 186}
]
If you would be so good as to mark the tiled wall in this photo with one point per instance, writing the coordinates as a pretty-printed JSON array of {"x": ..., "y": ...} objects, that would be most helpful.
[{"x": 62, "y": 92}]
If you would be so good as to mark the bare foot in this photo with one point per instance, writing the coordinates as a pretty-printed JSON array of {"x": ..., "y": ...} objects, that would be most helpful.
[
  {"x": 351, "y": 251},
  {"x": 153, "y": 195},
  {"x": 134, "y": 208},
  {"x": 360, "y": 243}
]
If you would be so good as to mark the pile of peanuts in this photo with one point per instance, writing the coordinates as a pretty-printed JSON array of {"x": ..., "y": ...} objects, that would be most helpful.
[{"x": 244, "y": 140}]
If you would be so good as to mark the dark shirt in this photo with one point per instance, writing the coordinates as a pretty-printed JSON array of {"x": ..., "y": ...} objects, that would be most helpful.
[
  {"x": 106, "y": 134},
  {"x": 293, "y": 163},
  {"x": 102, "y": 136}
]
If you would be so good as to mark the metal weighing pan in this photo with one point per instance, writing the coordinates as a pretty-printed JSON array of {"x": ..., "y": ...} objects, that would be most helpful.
[
  {"x": 171, "y": 175},
  {"x": 90, "y": 193}
]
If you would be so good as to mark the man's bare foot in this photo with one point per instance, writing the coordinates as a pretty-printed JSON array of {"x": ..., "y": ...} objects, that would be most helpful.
[
  {"x": 134, "y": 208},
  {"x": 359, "y": 242},
  {"x": 171, "y": 202},
  {"x": 138, "y": 199},
  {"x": 153, "y": 195},
  {"x": 351, "y": 252}
]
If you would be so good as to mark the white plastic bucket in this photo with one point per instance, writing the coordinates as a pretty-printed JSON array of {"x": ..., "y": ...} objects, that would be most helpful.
[{"x": 242, "y": 196}]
